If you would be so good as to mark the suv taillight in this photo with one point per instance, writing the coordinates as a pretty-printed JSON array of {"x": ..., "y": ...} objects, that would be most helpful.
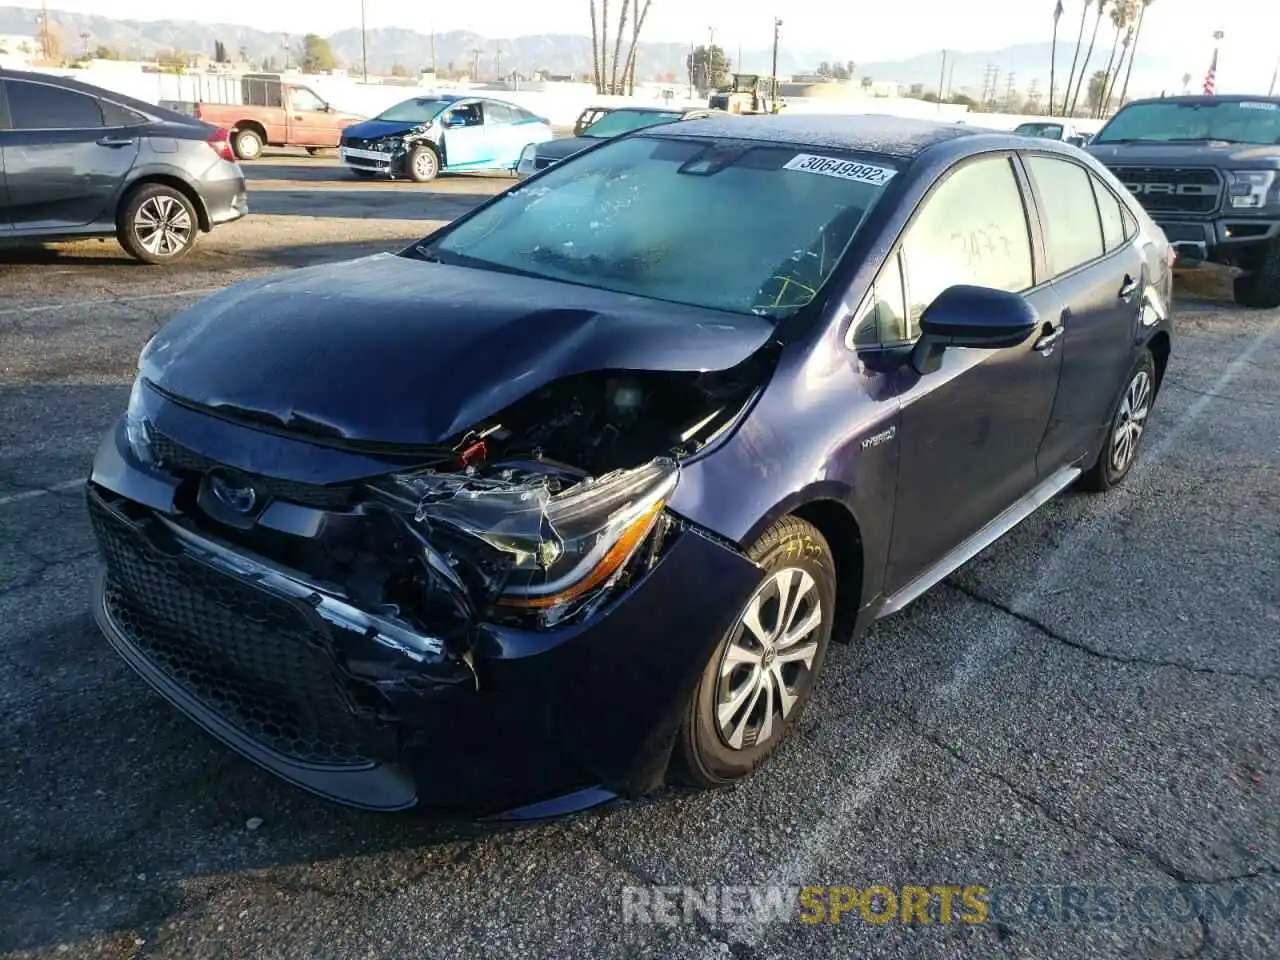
[{"x": 221, "y": 143}]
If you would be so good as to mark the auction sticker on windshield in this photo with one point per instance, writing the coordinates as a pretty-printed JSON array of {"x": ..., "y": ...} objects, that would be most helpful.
[
  {"x": 844, "y": 169},
  {"x": 1255, "y": 105}
]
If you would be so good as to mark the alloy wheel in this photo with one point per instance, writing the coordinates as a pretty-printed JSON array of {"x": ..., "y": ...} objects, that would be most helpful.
[
  {"x": 424, "y": 165},
  {"x": 768, "y": 658},
  {"x": 1131, "y": 420},
  {"x": 163, "y": 226}
]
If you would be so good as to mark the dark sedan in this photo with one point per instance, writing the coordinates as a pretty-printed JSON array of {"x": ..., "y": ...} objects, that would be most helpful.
[
  {"x": 78, "y": 161},
  {"x": 570, "y": 498},
  {"x": 614, "y": 123}
]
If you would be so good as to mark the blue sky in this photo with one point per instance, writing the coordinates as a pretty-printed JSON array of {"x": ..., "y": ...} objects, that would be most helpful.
[{"x": 1180, "y": 29}]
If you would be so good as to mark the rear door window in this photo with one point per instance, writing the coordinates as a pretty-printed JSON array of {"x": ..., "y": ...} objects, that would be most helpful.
[
  {"x": 1072, "y": 223},
  {"x": 1114, "y": 232},
  {"x": 114, "y": 115},
  {"x": 39, "y": 106}
]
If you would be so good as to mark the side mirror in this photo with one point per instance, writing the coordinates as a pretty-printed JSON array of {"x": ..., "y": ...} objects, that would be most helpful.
[
  {"x": 976, "y": 317},
  {"x": 327, "y": 108}
]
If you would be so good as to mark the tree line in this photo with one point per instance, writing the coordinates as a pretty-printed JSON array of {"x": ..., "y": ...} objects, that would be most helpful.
[{"x": 1126, "y": 18}]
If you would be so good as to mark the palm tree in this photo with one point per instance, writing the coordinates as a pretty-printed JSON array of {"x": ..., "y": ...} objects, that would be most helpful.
[
  {"x": 637, "y": 24},
  {"x": 1133, "y": 50},
  {"x": 1053, "y": 54},
  {"x": 1084, "y": 67},
  {"x": 1121, "y": 16},
  {"x": 1111, "y": 87},
  {"x": 1075, "y": 56},
  {"x": 617, "y": 47},
  {"x": 604, "y": 46},
  {"x": 595, "y": 47}
]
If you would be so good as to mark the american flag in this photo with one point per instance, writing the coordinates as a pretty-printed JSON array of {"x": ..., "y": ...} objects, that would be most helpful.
[{"x": 1210, "y": 78}]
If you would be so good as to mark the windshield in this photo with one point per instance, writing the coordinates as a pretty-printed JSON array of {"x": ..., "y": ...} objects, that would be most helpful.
[
  {"x": 731, "y": 226},
  {"x": 1242, "y": 121},
  {"x": 624, "y": 121},
  {"x": 1051, "y": 130},
  {"x": 417, "y": 110}
]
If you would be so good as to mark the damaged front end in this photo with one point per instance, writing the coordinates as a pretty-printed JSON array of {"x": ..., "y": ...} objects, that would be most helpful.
[{"x": 312, "y": 625}]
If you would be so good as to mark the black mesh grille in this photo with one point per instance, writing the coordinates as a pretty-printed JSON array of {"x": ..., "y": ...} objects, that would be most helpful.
[
  {"x": 245, "y": 654},
  {"x": 1182, "y": 190},
  {"x": 180, "y": 459}
]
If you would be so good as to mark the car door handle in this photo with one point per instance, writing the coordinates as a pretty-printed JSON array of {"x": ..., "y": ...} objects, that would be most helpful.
[
  {"x": 1048, "y": 340},
  {"x": 1128, "y": 288},
  {"x": 116, "y": 142}
]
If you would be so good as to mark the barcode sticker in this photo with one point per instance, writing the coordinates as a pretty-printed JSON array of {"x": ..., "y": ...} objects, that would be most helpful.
[{"x": 844, "y": 169}]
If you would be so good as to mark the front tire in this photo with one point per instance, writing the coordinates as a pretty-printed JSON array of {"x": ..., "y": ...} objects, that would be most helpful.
[
  {"x": 157, "y": 224},
  {"x": 1261, "y": 288},
  {"x": 762, "y": 672},
  {"x": 422, "y": 164},
  {"x": 1128, "y": 426},
  {"x": 247, "y": 144}
]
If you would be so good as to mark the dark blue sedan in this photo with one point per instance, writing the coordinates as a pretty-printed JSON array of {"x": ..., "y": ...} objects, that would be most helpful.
[{"x": 570, "y": 498}]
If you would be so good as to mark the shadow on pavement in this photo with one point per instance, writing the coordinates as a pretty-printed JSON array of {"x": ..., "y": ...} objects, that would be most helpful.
[{"x": 409, "y": 204}]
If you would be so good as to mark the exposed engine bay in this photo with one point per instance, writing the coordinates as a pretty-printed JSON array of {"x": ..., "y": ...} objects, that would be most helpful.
[{"x": 532, "y": 518}]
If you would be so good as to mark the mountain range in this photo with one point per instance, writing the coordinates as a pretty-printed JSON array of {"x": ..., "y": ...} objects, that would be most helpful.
[{"x": 564, "y": 54}]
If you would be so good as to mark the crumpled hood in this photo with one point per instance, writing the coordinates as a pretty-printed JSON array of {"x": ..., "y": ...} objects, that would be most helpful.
[
  {"x": 377, "y": 129},
  {"x": 1226, "y": 156},
  {"x": 393, "y": 350}
]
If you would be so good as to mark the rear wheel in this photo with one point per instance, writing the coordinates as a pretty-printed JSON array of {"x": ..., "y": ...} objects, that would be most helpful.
[
  {"x": 422, "y": 164},
  {"x": 1261, "y": 287},
  {"x": 1128, "y": 426},
  {"x": 762, "y": 672},
  {"x": 247, "y": 144},
  {"x": 158, "y": 224}
]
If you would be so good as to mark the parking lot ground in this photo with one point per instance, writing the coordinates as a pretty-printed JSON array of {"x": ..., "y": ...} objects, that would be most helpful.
[{"x": 1092, "y": 703}]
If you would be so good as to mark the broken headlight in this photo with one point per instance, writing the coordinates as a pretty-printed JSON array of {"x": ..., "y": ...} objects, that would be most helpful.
[
  {"x": 563, "y": 548},
  {"x": 137, "y": 428}
]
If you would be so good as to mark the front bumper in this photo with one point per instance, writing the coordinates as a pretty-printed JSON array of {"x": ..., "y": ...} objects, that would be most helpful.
[
  {"x": 1215, "y": 240},
  {"x": 373, "y": 161},
  {"x": 288, "y": 674}
]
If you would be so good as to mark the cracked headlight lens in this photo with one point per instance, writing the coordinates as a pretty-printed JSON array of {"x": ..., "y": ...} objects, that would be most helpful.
[
  {"x": 137, "y": 428},
  {"x": 563, "y": 547}
]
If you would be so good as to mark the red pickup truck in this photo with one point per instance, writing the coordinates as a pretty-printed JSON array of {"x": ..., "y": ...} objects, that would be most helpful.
[{"x": 263, "y": 110}]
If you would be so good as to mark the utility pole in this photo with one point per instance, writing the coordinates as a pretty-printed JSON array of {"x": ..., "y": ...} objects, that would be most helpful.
[
  {"x": 475, "y": 65},
  {"x": 777, "y": 28},
  {"x": 364, "y": 49},
  {"x": 284, "y": 42},
  {"x": 497, "y": 59},
  {"x": 942, "y": 81},
  {"x": 691, "y": 49},
  {"x": 434, "y": 70},
  {"x": 43, "y": 19}
]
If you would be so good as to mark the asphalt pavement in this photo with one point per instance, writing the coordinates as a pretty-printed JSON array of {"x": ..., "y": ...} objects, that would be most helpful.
[{"x": 1088, "y": 713}]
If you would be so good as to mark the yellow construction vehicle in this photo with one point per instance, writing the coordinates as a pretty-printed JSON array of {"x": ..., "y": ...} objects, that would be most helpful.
[{"x": 749, "y": 93}]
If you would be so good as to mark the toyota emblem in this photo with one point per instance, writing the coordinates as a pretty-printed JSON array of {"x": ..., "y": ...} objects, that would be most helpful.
[{"x": 234, "y": 493}]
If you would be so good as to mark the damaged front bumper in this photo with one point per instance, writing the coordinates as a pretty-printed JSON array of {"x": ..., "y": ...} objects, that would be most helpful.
[{"x": 362, "y": 707}]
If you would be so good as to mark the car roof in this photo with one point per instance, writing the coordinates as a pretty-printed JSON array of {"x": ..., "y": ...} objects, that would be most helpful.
[
  {"x": 1208, "y": 99},
  {"x": 74, "y": 83},
  {"x": 891, "y": 136}
]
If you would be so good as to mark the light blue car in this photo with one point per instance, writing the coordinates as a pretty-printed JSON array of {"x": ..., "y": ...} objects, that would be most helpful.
[{"x": 422, "y": 137}]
